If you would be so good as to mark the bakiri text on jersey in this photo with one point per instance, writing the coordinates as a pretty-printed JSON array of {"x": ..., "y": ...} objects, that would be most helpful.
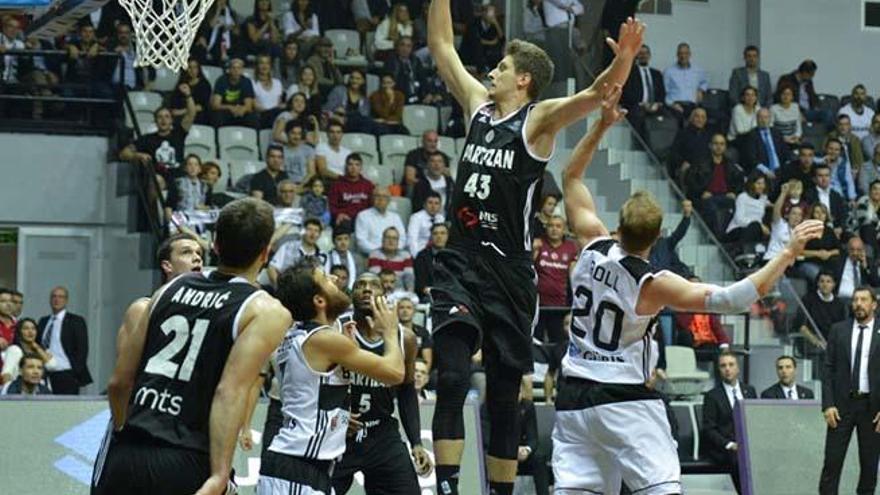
[{"x": 488, "y": 157}]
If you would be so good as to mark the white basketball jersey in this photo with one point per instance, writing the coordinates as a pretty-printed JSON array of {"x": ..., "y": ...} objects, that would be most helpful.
[
  {"x": 609, "y": 342},
  {"x": 314, "y": 403}
]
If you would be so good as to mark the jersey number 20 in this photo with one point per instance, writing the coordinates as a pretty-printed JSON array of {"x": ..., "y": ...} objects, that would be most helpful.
[
  {"x": 604, "y": 306},
  {"x": 161, "y": 363}
]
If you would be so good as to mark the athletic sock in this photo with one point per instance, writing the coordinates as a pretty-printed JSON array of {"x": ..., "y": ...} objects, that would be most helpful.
[
  {"x": 500, "y": 488},
  {"x": 447, "y": 479}
]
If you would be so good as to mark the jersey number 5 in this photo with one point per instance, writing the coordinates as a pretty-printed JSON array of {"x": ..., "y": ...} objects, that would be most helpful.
[
  {"x": 604, "y": 307},
  {"x": 161, "y": 363},
  {"x": 478, "y": 185}
]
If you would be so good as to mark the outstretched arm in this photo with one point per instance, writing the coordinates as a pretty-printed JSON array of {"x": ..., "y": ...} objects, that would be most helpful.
[
  {"x": 550, "y": 116},
  {"x": 464, "y": 87},
  {"x": 677, "y": 293},
  {"x": 579, "y": 207}
]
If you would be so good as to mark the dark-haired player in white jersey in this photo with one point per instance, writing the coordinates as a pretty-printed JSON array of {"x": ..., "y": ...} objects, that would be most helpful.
[
  {"x": 484, "y": 294},
  {"x": 313, "y": 361},
  {"x": 610, "y": 426},
  {"x": 181, "y": 371}
]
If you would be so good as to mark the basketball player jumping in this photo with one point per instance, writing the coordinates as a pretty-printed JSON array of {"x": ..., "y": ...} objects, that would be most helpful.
[
  {"x": 376, "y": 449},
  {"x": 189, "y": 360},
  {"x": 484, "y": 294},
  {"x": 609, "y": 425},
  {"x": 314, "y": 361}
]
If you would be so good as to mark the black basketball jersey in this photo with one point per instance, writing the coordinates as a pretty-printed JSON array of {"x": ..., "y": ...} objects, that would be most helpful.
[
  {"x": 497, "y": 186},
  {"x": 193, "y": 324},
  {"x": 370, "y": 398}
]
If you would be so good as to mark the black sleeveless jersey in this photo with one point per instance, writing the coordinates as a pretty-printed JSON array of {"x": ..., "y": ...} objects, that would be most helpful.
[
  {"x": 370, "y": 398},
  {"x": 497, "y": 186},
  {"x": 193, "y": 324}
]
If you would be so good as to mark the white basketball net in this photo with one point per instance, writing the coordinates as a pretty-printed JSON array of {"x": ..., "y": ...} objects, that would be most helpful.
[{"x": 165, "y": 30}]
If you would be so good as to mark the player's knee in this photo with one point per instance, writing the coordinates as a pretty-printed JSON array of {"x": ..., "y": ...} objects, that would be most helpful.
[
  {"x": 452, "y": 386},
  {"x": 504, "y": 418}
]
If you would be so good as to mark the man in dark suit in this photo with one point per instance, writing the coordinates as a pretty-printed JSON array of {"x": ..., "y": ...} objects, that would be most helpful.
[
  {"x": 65, "y": 335},
  {"x": 720, "y": 445},
  {"x": 763, "y": 147},
  {"x": 851, "y": 394},
  {"x": 801, "y": 82},
  {"x": 643, "y": 93},
  {"x": 822, "y": 192},
  {"x": 856, "y": 269},
  {"x": 742, "y": 77},
  {"x": 786, "y": 387},
  {"x": 424, "y": 262}
]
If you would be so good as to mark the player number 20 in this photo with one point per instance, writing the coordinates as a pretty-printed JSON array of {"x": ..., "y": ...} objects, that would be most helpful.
[
  {"x": 161, "y": 363},
  {"x": 478, "y": 185},
  {"x": 604, "y": 307}
]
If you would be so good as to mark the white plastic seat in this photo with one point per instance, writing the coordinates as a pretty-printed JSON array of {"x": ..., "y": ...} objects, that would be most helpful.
[
  {"x": 143, "y": 103},
  {"x": 238, "y": 143},
  {"x": 346, "y": 42},
  {"x": 165, "y": 80},
  {"x": 265, "y": 140},
  {"x": 446, "y": 144},
  {"x": 365, "y": 144},
  {"x": 373, "y": 82},
  {"x": 396, "y": 144},
  {"x": 402, "y": 206},
  {"x": 420, "y": 118},
  {"x": 459, "y": 145},
  {"x": 683, "y": 376},
  {"x": 240, "y": 168},
  {"x": 211, "y": 73},
  {"x": 201, "y": 140},
  {"x": 380, "y": 175}
]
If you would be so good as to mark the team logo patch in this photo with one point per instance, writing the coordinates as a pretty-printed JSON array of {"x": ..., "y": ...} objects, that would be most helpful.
[{"x": 490, "y": 136}]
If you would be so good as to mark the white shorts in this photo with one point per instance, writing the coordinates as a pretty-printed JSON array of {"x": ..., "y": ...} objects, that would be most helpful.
[
  {"x": 596, "y": 448},
  {"x": 268, "y": 485}
]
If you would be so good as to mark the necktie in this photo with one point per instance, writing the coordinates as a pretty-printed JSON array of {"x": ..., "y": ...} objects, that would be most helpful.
[
  {"x": 771, "y": 150},
  {"x": 649, "y": 84},
  {"x": 47, "y": 334},
  {"x": 856, "y": 275},
  {"x": 789, "y": 393},
  {"x": 857, "y": 360}
]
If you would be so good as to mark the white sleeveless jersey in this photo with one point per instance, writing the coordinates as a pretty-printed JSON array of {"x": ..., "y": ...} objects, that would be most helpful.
[
  {"x": 314, "y": 404},
  {"x": 609, "y": 342}
]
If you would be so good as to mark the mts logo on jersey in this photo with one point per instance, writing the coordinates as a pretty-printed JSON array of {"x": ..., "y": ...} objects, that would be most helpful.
[
  {"x": 150, "y": 397},
  {"x": 487, "y": 157}
]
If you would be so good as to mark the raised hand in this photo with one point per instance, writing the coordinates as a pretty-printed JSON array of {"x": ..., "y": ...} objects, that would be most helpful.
[
  {"x": 384, "y": 316},
  {"x": 631, "y": 36},
  {"x": 611, "y": 112},
  {"x": 803, "y": 233}
]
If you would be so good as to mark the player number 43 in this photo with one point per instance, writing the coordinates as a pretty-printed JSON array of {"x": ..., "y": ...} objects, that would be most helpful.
[
  {"x": 478, "y": 185},
  {"x": 161, "y": 363}
]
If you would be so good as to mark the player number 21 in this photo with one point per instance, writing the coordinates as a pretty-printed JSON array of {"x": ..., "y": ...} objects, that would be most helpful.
[
  {"x": 478, "y": 185},
  {"x": 161, "y": 363}
]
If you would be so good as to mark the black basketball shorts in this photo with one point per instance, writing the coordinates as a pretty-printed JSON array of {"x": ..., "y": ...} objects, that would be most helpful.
[
  {"x": 384, "y": 460},
  {"x": 497, "y": 297}
]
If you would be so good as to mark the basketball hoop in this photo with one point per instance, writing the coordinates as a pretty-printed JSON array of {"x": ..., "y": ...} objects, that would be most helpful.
[{"x": 165, "y": 30}]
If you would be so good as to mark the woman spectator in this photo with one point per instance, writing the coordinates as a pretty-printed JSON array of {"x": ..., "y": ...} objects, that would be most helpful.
[
  {"x": 398, "y": 23},
  {"x": 25, "y": 342},
  {"x": 289, "y": 64},
  {"x": 268, "y": 92},
  {"x": 199, "y": 88},
  {"x": 349, "y": 104},
  {"x": 745, "y": 115},
  {"x": 262, "y": 34},
  {"x": 301, "y": 23},
  {"x": 747, "y": 225},
  {"x": 296, "y": 110},
  {"x": 548, "y": 206},
  {"x": 308, "y": 86},
  {"x": 787, "y": 117},
  {"x": 866, "y": 215},
  {"x": 386, "y": 105},
  {"x": 822, "y": 253},
  {"x": 219, "y": 38}
]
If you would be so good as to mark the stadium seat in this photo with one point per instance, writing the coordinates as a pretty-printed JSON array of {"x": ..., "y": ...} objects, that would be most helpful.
[
  {"x": 402, "y": 206},
  {"x": 211, "y": 73},
  {"x": 459, "y": 145},
  {"x": 165, "y": 81},
  {"x": 396, "y": 144},
  {"x": 143, "y": 103},
  {"x": 248, "y": 73},
  {"x": 453, "y": 167},
  {"x": 265, "y": 136},
  {"x": 828, "y": 102},
  {"x": 661, "y": 134},
  {"x": 346, "y": 42},
  {"x": 420, "y": 118},
  {"x": 201, "y": 140},
  {"x": 240, "y": 168},
  {"x": 380, "y": 175},
  {"x": 717, "y": 100},
  {"x": 238, "y": 143},
  {"x": 684, "y": 378},
  {"x": 446, "y": 144},
  {"x": 814, "y": 134},
  {"x": 365, "y": 144},
  {"x": 373, "y": 83},
  {"x": 245, "y": 8}
]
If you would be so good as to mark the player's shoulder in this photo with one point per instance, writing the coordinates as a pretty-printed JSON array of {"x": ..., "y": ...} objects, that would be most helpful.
[
  {"x": 137, "y": 308},
  {"x": 601, "y": 245}
]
